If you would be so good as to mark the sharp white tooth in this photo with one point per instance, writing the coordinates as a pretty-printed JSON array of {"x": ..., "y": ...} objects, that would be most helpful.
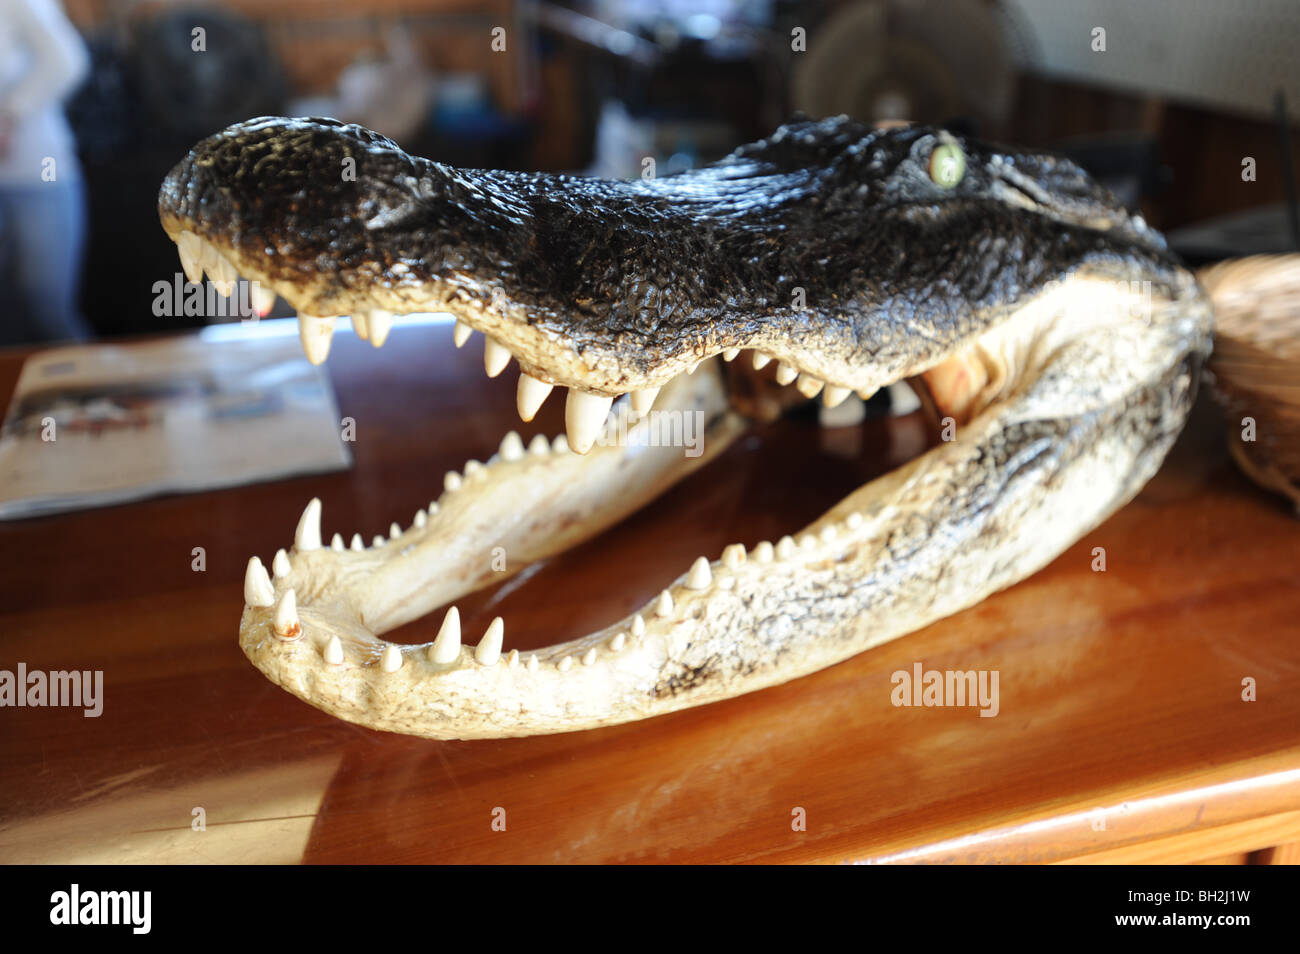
[
  {"x": 785, "y": 547},
  {"x": 446, "y": 647},
  {"x": 357, "y": 543},
  {"x": 665, "y": 605},
  {"x": 733, "y": 555},
  {"x": 286, "y": 616},
  {"x": 380, "y": 323},
  {"x": 868, "y": 393},
  {"x": 421, "y": 519},
  {"x": 644, "y": 399},
  {"x": 730, "y": 354},
  {"x": 433, "y": 508},
  {"x": 763, "y": 552},
  {"x": 700, "y": 576},
  {"x": 539, "y": 446},
  {"x": 533, "y": 664},
  {"x": 808, "y": 542},
  {"x": 808, "y": 386},
  {"x": 513, "y": 659},
  {"x": 488, "y": 650},
  {"x": 360, "y": 325},
  {"x": 334, "y": 652},
  {"x": 560, "y": 445},
  {"x": 584, "y": 415},
  {"x": 262, "y": 298},
  {"x": 452, "y": 481},
  {"x": 221, "y": 273},
  {"x": 761, "y": 360},
  {"x": 191, "y": 248},
  {"x": 391, "y": 660},
  {"x": 589, "y": 657},
  {"x": 307, "y": 535},
  {"x": 530, "y": 395},
  {"x": 829, "y": 533},
  {"x": 638, "y": 626},
  {"x": 834, "y": 395},
  {"x": 460, "y": 334},
  {"x": 902, "y": 399},
  {"x": 378, "y": 540},
  {"x": 316, "y": 334},
  {"x": 258, "y": 590},
  {"x": 565, "y": 664},
  {"x": 280, "y": 565},
  {"x": 336, "y": 542},
  {"x": 394, "y": 530},
  {"x": 474, "y": 469},
  {"x": 855, "y": 520},
  {"x": 495, "y": 356},
  {"x": 617, "y": 643},
  {"x": 512, "y": 448},
  {"x": 785, "y": 373}
]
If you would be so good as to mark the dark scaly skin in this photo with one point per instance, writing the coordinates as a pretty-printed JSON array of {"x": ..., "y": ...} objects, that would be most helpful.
[{"x": 1009, "y": 280}]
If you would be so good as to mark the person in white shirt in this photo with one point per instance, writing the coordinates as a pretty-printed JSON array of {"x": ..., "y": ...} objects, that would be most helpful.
[{"x": 42, "y": 206}]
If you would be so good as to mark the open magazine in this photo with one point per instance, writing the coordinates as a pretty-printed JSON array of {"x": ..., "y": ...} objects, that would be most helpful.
[{"x": 100, "y": 424}]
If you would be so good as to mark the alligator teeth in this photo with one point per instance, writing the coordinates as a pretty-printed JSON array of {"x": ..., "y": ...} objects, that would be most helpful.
[
  {"x": 420, "y": 520},
  {"x": 834, "y": 395},
  {"x": 495, "y": 356},
  {"x": 357, "y": 544},
  {"x": 221, "y": 273},
  {"x": 763, "y": 552},
  {"x": 316, "y": 334},
  {"x": 761, "y": 360},
  {"x": 394, "y": 530},
  {"x": 460, "y": 334},
  {"x": 733, "y": 555},
  {"x": 584, "y": 414},
  {"x": 360, "y": 325},
  {"x": 530, "y": 395},
  {"x": 512, "y": 448},
  {"x": 334, "y": 652},
  {"x": 286, "y": 617},
  {"x": 391, "y": 660},
  {"x": 379, "y": 324},
  {"x": 808, "y": 386},
  {"x": 617, "y": 643},
  {"x": 257, "y": 585},
  {"x": 785, "y": 548},
  {"x": 785, "y": 374},
  {"x": 664, "y": 607},
  {"x": 280, "y": 565},
  {"x": 446, "y": 647},
  {"x": 643, "y": 400},
  {"x": 589, "y": 657},
  {"x": 488, "y": 650},
  {"x": 336, "y": 543},
  {"x": 730, "y": 354},
  {"x": 539, "y": 446},
  {"x": 700, "y": 576},
  {"x": 560, "y": 445},
  {"x": 452, "y": 482},
  {"x": 638, "y": 626},
  {"x": 378, "y": 540},
  {"x": 191, "y": 248},
  {"x": 261, "y": 298},
  {"x": 307, "y": 535},
  {"x": 902, "y": 399}
]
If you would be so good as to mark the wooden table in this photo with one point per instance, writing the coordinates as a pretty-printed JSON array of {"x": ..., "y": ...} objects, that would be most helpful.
[{"x": 1122, "y": 733}]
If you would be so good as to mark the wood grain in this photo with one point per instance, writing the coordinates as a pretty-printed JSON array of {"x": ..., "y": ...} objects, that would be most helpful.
[{"x": 1120, "y": 691}]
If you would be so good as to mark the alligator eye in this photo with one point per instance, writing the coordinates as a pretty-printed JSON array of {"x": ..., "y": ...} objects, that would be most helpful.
[{"x": 947, "y": 165}]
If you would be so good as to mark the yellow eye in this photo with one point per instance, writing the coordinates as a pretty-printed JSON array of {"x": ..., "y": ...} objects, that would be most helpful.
[{"x": 947, "y": 165}]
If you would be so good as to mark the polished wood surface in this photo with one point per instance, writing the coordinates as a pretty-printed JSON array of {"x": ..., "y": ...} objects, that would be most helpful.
[{"x": 1122, "y": 733}]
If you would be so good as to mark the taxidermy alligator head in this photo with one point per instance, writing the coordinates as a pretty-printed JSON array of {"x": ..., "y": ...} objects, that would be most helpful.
[{"x": 1054, "y": 331}]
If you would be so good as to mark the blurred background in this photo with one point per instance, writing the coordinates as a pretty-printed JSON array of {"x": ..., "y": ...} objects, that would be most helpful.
[{"x": 1178, "y": 105}]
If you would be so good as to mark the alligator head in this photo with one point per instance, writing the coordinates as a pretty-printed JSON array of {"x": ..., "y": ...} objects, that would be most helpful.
[{"x": 1053, "y": 333}]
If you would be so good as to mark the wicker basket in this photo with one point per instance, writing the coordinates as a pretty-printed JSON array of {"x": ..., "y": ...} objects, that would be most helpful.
[{"x": 1255, "y": 368}]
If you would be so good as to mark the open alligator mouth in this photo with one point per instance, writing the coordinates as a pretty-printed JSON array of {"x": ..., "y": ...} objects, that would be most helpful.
[{"x": 1054, "y": 333}]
